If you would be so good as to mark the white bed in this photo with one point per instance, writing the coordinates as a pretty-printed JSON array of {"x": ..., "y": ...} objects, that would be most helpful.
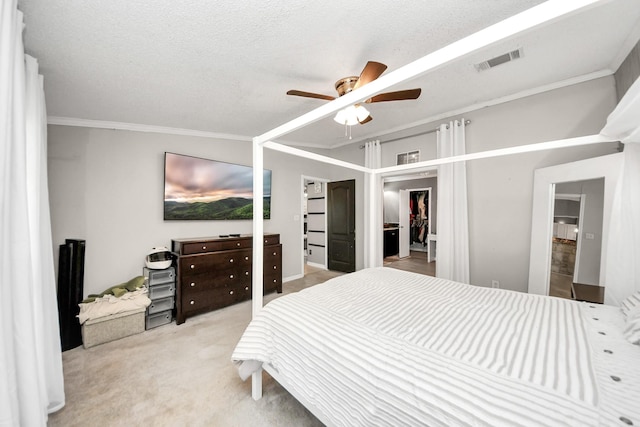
[{"x": 388, "y": 347}]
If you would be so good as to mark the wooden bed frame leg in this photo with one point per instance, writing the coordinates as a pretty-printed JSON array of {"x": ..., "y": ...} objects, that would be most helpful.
[{"x": 256, "y": 385}]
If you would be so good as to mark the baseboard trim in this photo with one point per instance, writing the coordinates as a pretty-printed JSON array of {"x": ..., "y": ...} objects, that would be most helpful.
[
  {"x": 313, "y": 264},
  {"x": 290, "y": 278}
]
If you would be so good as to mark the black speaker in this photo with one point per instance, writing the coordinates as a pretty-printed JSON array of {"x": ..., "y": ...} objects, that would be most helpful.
[{"x": 70, "y": 291}]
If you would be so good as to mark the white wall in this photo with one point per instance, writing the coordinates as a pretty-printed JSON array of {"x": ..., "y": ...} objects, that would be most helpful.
[
  {"x": 106, "y": 187},
  {"x": 500, "y": 189},
  {"x": 425, "y": 143}
]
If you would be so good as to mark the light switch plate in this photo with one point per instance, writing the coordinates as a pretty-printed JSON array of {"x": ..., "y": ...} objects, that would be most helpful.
[{"x": 589, "y": 236}]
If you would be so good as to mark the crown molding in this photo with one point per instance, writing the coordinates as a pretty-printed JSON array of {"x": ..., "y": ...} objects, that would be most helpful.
[{"x": 135, "y": 127}]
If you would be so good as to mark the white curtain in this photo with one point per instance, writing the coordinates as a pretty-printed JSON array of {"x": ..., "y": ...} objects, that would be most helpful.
[
  {"x": 453, "y": 225},
  {"x": 31, "y": 381},
  {"x": 623, "y": 244},
  {"x": 373, "y": 205},
  {"x": 372, "y": 154}
]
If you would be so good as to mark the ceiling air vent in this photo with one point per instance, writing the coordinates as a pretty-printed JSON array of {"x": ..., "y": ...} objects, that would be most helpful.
[{"x": 501, "y": 59}]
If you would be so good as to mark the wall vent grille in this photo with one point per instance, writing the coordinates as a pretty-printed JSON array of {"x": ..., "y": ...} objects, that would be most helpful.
[{"x": 498, "y": 60}]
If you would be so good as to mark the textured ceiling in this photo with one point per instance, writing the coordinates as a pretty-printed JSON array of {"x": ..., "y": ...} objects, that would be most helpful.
[{"x": 224, "y": 67}]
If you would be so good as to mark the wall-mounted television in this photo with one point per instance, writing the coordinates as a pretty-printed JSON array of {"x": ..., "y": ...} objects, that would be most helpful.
[{"x": 203, "y": 189}]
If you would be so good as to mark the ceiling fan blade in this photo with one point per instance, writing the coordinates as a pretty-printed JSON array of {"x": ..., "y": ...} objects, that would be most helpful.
[
  {"x": 367, "y": 120},
  {"x": 371, "y": 71},
  {"x": 395, "y": 96},
  {"x": 311, "y": 95}
]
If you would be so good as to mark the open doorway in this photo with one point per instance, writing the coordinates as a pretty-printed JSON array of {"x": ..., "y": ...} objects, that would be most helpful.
[
  {"x": 410, "y": 221},
  {"x": 314, "y": 224}
]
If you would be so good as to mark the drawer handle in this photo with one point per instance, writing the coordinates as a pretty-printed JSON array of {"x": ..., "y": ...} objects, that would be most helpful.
[
  {"x": 231, "y": 260},
  {"x": 230, "y": 292},
  {"x": 192, "y": 302},
  {"x": 231, "y": 276},
  {"x": 238, "y": 244},
  {"x": 192, "y": 284},
  {"x": 274, "y": 253},
  {"x": 246, "y": 288},
  {"x": 246, "y": 273},
  {"x": 266, "y": 241},
  {"x": 275, "y": 280},
  {"x": 192, "y": 266},
  {"x": 246, "y": 258},
  {"x": 204, "y": 247},
  {"x": 275, "y": 267}
]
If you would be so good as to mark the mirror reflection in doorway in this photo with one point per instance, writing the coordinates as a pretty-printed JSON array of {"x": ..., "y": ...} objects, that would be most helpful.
[{"x": 577, "y": 240}]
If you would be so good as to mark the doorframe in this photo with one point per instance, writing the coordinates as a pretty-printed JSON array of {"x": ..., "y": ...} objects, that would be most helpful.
[
  {"x": 576, "y": 265},
  {"x": 544, "y": 180},
  {"x": 418, "y": 173},
  {"x": 324, "y": 181}
]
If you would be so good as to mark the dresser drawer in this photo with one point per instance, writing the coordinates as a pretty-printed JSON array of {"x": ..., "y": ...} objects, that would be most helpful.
[
  {"x": 214, "y": 246},
  {"x": 210, "y": 300},
  {"x": 272, "y": 257},
  {"x": 271, "y": 239},
  {"x": 272, "y": 282},
  {"x": 217, "y": 261},
  {"x": 246, "y": 292},
  {"x": 206, "y": 282},
  {"x": 204, "y": 279}
]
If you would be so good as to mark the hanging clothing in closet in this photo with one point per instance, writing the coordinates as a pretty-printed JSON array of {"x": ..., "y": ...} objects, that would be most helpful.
[{"x": 419, "y": 221}]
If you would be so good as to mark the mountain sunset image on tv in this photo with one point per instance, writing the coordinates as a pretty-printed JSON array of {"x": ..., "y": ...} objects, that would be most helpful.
[{"x": 202, "y": 189}]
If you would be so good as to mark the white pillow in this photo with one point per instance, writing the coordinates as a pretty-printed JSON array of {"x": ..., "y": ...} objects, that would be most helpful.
[
  {"x": 630, "y": 304},
  {"x": 632, "y": 330}
]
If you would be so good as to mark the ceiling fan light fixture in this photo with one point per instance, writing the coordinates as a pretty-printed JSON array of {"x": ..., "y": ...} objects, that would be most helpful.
[{"x": 352, "y": 115}]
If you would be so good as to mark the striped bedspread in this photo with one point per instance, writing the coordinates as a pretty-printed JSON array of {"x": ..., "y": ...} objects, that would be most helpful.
[{"x": 388, "y": 347}]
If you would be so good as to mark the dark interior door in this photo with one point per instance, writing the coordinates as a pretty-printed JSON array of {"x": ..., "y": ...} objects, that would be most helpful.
[{"x": 341, "y": 224}]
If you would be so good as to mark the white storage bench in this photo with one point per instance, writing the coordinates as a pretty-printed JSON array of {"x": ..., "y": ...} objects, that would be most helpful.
[{"x": 113, "y": 327}]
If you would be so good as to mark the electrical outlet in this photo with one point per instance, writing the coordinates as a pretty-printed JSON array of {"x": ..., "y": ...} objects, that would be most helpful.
[
  {"x": 310, "y": 252},
  {"x": 495, "y": 284}
]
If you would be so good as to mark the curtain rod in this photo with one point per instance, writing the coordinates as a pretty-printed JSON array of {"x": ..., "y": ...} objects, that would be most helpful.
[{"x": 466, "y": 122}]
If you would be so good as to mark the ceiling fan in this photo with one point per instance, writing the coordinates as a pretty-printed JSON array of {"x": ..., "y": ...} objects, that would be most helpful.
[{"x": 357, "y": 113}]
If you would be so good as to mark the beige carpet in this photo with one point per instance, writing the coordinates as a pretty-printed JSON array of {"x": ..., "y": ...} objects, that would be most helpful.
[{"x": 177, "y": 376}]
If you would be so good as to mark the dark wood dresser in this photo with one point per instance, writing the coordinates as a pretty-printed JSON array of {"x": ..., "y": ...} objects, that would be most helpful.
[{"x": 214, "y": 272}]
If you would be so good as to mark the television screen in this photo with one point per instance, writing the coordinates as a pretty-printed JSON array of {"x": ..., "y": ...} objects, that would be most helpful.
[{"x": 203, "y": 189}]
